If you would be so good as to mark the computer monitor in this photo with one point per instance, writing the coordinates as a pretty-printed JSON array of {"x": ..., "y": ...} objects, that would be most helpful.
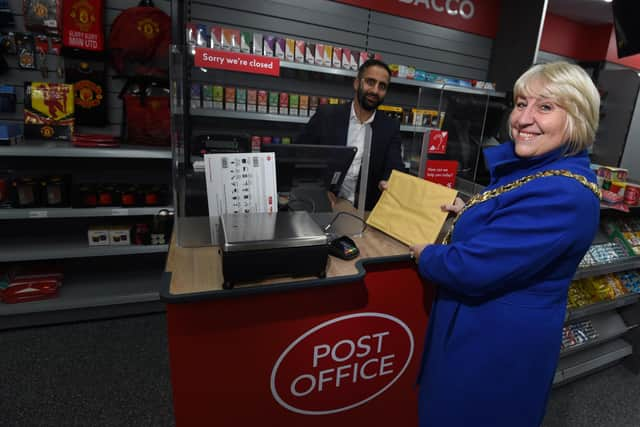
[{"x": 307, "y": 172}]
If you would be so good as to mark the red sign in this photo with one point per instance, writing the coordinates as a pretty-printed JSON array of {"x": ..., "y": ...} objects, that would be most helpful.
[
  {"x": 442, "y": 172},
  {"x": 234, "y": 61},
  {"x": 438, "y": 142},
  {"x": 472, "y": 16},
  {"x": 353, "y": 358},
  {"x": 82, "y": 26}
]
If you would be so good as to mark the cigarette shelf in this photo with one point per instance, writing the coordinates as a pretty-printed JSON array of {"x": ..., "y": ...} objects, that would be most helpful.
[
  {"x": 585, "y": 362},
  {"x": 244, "y": 115},
  {"x": 48, "y": 213},
  {"x": 608, "y": 325},
  {"x": 64, "y": 247},
  {"x": 66, "y": 149}
]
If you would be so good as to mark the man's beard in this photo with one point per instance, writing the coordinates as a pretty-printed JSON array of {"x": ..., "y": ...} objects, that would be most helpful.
[{"x": 365, "y": 103}]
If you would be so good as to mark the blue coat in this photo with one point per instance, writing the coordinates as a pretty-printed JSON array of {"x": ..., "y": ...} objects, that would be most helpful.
[{"x": 495, "y": 329}]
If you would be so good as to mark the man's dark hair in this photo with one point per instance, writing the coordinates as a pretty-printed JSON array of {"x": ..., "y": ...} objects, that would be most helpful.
[{"x": 372, "y": 63}]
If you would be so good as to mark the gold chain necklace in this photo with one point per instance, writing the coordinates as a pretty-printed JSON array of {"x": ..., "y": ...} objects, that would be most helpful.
[{"x": 487, "y": 195}]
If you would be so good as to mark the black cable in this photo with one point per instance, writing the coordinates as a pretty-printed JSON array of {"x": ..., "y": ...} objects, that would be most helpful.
[{"x": 328, "y": 226}]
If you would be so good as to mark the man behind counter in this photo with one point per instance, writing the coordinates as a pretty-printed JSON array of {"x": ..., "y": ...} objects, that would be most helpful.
[{"x": 345, "y": 124}]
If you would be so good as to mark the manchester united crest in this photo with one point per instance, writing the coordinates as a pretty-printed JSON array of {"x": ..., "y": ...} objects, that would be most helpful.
[
  {"x": 83, "y": 14},
  {"x": 149, "y": 28},
  {"x": 87, "y": 94}
]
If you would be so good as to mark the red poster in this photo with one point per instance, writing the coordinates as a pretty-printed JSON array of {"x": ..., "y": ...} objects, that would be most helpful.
[
  {"x": 471, "y": 16},
  {"x": 438, "y": 142},
  {"x": 442, "y": 172},
  {"x": 234, "y": 61},
  {"x": 83, "y": 24}
]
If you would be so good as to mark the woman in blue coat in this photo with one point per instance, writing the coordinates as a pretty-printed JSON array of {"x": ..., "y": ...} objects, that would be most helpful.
[{"x": 495, "y": 329}]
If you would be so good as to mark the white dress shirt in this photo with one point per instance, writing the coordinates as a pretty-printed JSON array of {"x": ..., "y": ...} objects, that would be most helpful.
[{"x": 355, "y": 138}]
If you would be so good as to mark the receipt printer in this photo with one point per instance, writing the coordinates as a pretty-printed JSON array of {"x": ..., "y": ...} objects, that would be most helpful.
[{"x": 257, "y": 246}]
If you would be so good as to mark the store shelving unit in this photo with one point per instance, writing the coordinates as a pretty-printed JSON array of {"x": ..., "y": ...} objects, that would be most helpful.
[
  {"x": 579, "y": 364},
  {"x": 66, "y": 149},
  {"x": 43, "y": 213}
]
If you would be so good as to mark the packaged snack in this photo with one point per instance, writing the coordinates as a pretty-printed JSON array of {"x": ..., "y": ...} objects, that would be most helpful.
[
  {"x": 313, "y": 104},
  {"x": 257, "y": 44},
  {"x": 294, "y": 103},
  {"x": 215, "y": 40},
  {"x": 230, "y": 98},
  {"x": 319, "y": 59},
  {"x": 245, "y": 42},
  {"x": 304, "y": 105},
  {"x": 284, "y": 103},
  {"x": 346, "y": 58},
  {"x": 337, "y": 57},
  {"x": 231, "y": 39},
  {"x": 196, "y": 95},
  {"x": 252, "y": 100},
  {"x": 269, "y": 45},
  {"x": 289, "y": 50},
  {"x": 241, "y": 99},
  {"x": 274, "y": 98},
  {"x": 218, "y": 97},
  {"x": 299, "y": 53},
  {"x": 263, "y": 101},
  {"x": 279, "y": 48},
  {"x": 310, "y": 53},
  {"x": 327, "y": 58},
  {"x": 207, "y": 96}
]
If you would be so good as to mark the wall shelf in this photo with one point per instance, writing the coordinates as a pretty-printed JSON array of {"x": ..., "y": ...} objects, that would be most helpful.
[
  {"x": 244, "y": 115},
  {"x": 625, "y": 264},
  {"x": 61, "y": 247},
  {"x": 601, "y": 307},
  {"x": 585, "y": 362},
  {"x": 66, "y": 149},
  {"x": 48, "y": 213},
  {"x": 608, "y": 325}
]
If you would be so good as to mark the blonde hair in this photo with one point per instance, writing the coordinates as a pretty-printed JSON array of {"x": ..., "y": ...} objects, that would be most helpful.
[{"x": 569, "y": 86}]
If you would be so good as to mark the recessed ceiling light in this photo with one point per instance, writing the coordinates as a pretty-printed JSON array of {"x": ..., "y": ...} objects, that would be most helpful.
[{"x": 608, "y": 1}]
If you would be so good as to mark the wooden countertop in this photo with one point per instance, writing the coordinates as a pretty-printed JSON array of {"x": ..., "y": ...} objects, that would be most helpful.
[{"x": 198, "y": 270}]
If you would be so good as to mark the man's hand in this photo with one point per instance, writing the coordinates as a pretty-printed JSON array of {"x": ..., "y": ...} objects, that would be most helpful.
[
  {"x": 455, "y": 207},
  {"x": 416, "y": 250},
  {"x": 383, "y": 185},
  {"x": 332, "y": 199}
]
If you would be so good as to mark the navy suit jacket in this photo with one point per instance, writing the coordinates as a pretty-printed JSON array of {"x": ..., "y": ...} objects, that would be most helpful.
[{"x": 330, "y": 126}]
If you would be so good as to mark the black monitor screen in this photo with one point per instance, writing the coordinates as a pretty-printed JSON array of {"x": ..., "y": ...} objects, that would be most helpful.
[
  {"x": 299, "y": 165},
  {"x": 625, "y": 22}
]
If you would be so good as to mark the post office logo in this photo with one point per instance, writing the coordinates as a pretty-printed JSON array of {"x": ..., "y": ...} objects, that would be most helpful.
[{"x": 342, "y": 363}]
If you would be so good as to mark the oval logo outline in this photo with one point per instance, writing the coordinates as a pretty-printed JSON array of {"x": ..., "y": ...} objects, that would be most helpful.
[{"x": 290, "y": 347}]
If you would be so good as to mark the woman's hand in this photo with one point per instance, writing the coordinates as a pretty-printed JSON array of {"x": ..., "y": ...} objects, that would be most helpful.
[
  {"x": 383, "y": 185},
  {"x": 455, "y": 207},
  {"x": 416, "y": 250}
]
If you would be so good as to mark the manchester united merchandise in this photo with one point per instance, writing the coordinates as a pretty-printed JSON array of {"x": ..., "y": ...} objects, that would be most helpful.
[
  {"x": 25, "y": 48},
  {"x": 41, "y": 16},
  {"x": 89, "y": 92},
  {"x": 82, "y": 24},
  {"x": 48, "y": 110},
  {"x": 139, "y": 41},
  {"x": 147, "y": 111}
]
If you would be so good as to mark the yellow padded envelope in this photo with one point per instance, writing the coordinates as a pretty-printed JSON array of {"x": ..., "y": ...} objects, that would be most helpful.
[{"x": 409, "y": 210}]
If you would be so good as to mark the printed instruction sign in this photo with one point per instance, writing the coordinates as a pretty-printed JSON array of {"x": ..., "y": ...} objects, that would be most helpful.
[
  {"x": 239, "y": 183},
  {"x": 235, "y": 61},
  {"x": 442, "y": 172}
]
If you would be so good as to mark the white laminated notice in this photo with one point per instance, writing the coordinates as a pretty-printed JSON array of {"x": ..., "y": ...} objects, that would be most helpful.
[{"x": 239, "y": 183}]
